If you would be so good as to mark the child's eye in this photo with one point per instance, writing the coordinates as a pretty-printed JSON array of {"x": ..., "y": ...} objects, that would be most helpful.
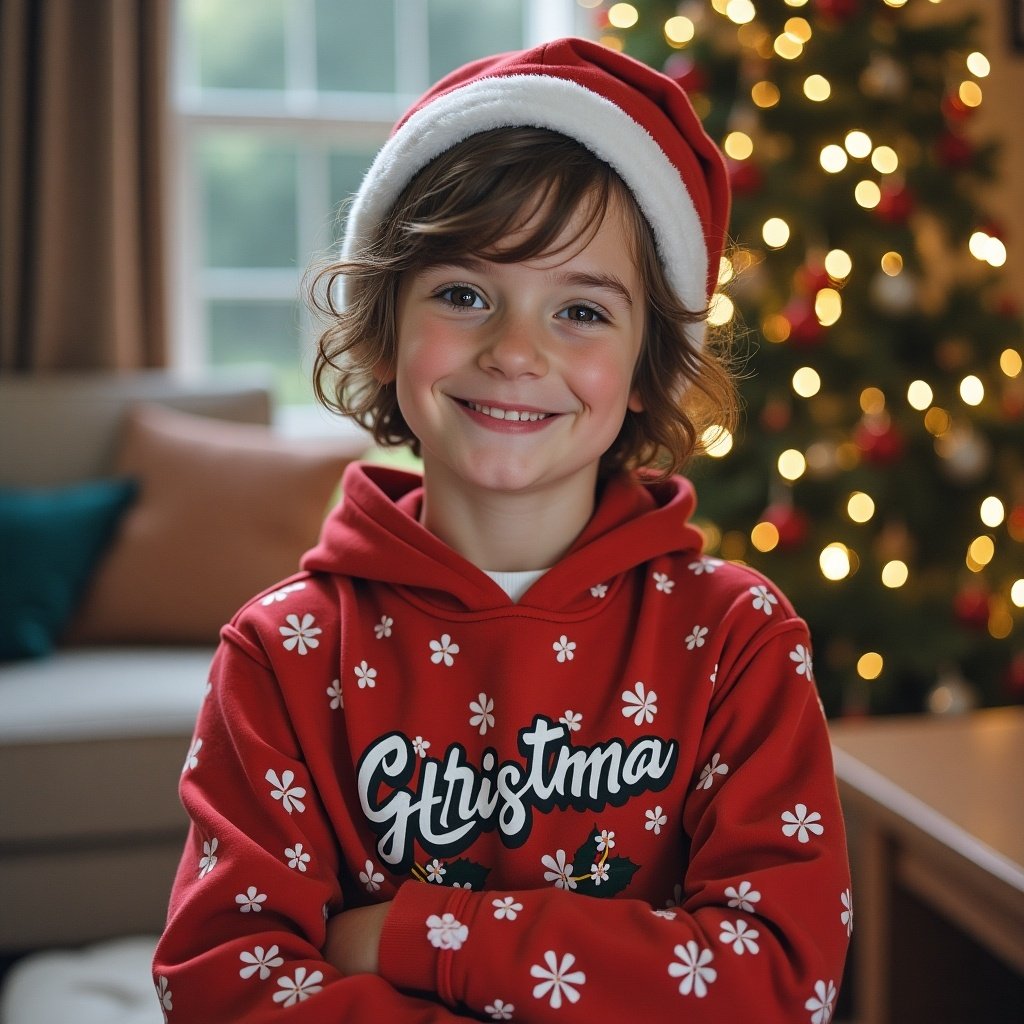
[
  {"x": 462, "y": 296},
  {"x": 581, "y": 314}
]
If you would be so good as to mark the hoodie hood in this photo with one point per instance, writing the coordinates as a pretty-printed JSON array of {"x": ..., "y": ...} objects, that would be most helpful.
[{"x": 375, "y": 534}]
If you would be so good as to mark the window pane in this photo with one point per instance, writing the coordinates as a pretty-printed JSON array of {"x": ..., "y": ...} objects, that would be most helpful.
[
  {"x": 260, "y": 333},
  {"x": 463, "y": 30},
  {"x": 346, "y": 169},
  {"x": 355, "y": 45},
  {"x": 237, "y": 44},
  {"x": 249, "y": 200}
]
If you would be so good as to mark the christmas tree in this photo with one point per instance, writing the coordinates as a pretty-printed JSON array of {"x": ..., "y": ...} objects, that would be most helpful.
[{"x": 879, "y": 478}]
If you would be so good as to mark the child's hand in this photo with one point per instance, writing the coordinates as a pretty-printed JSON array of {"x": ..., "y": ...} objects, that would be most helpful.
[{"x": 353, "y": 938}]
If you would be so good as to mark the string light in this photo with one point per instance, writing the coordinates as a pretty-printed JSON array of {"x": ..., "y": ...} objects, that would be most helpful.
[
  {"x": 858, "y": 144},
  {"x": 833, "y": 158},
  {"x": 726, "y": 270},
  {"x": 838, "y": 264},
  {"x": 992, "y": 511},
  {"x": 765, "y": 537},
  {"x": 679, "y": 30},
  {"x": 978, "y": 65},
  {"x": 895, "y": 574},
  {"x": 860, "y": 507},
  {"x": 798, "y": 29},
  {"x": 884, "y": 159},
  {"x": 970, "y": 94},
  {"x": 919, "y": 395},
  {"x": 623, "y": 15},
  {"x": 972, "y": 391},
  {"x": 870, "y": 665},
  {"x": 1010, "y": 362},
  {"x": 892, "y": 264},
  {"x": 987, "y": 248},
  {"x": 1000, "y": 621},
  {"x": 775, "y": 232},
  {"x": 796, "y": 3},
  {"x": 765, "y": 94},
  {"x": 738, "y": 145},
  {"x": 868, "y": 194},
  {"x": 721, "y": 310},
  {"x": 717, "y": 441},
  {"x": 872, "y": 401},
  {"x": 806, "y": 382},
  {"x": 787, "y": 47},
  {"x": 980, "y": 552},
  {"x": 834, "y": 561},
  {"x": 740, "y": 12},
  {"x": 1017, "y": 593},
  {"x": 792, "y": 465},
  {"x": 937, "y": 421},
  {"x": 828, "y": 306},
  {"x": 776, "y": 328},
  {"x": 817, "y": 88}
]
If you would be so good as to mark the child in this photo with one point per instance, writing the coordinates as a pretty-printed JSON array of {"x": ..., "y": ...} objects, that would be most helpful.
[{"x": 510, "y": 747}]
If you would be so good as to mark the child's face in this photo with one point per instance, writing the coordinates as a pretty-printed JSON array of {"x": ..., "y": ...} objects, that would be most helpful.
[{"x": 516, "y": 377}]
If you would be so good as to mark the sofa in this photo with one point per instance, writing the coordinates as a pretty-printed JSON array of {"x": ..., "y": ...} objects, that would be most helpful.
[{"x": 205, "y": 505}]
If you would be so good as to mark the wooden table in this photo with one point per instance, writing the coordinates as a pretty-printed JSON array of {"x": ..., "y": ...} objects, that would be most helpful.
[{"x": 935, "y": 809}]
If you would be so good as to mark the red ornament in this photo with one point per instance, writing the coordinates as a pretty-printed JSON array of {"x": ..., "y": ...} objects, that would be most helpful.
[
  {"x": 954, "y": 150},
  {"x": 895, "y": 205},
  {"x": 879, "y": 440},
  {"x": 837, "y": 10},
  {"x": 805, "y": 328},
  {"x": 686, "y": 73},
  {"x": 791, "y": 523},
  {"x": 971, "y": 607},
  {"x": 745, "y": 177}
]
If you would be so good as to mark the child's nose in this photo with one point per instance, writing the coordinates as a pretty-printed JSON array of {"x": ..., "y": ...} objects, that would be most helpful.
[{"x": 513, "y": 347}]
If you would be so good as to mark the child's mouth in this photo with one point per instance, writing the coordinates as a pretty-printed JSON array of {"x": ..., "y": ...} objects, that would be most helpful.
[{"x": 510, "y": 415}]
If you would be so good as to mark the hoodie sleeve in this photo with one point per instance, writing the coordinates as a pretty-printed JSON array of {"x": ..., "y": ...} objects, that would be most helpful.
[
  {"x": 763, "y": 917},
  {"x": 259, "y": 873}
]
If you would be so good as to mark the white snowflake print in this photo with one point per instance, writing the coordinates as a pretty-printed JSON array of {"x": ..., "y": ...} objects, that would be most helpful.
[
  {"x": 599, "y": 873},
  {"x": 371, "y": 877},
  {"x": 740, "y": 936},
  {"x": 655, "y": 820},
  {"x": 281, "y": 593},
  {"x": 420, "y": 746},
  {"x": 251, "y": 900},
  {"x": 282, "y": 789},
  {"x": 744, "y": 897},
  {"x": 301, "y": 633},
  {"x": 297, "y": 857},
  {"x": 668, "y": 915},
  {"x": 821, "y": 1003},
  {"x": 334, "y": 692},
  {"x": 802, "y": 657},
  {"x": 559, "y": 870},
  {"x": 714, "y": 767},
  {"x": 500, "y": 1010},
  {"x": 192, "y": 757},
  {"x": 302, "y": 986},
  {"x": 506, "y": 908},
  {"x": 260, "y": 962},
  {"x": 799, "y": 822},
  {"x": 444, "y": 650},
  {"x": 599, "y": 590},
  {"x": 559, "y": 979},
  {"x": 704, "y": 565},
  {"x": 846, "y": 898},
  {"x": 445, "y": 932},
  {"x": 208, "y": 861},
  {"x": 662, "y": 583},
  {"x": 383, "y": 628},
  {"x": 605, "y": 840},
  {"x": 696, "y": 637},
  {"x": 693, "y": 969},
  {"x": 571, "y": 721},
  {"x": 436, "y": 872},
  {"x": 366, "y": 676},
  {"x": 640, "y": 704},
  {"x": 763, "y": 599},
  {"x": 163, "y": 994},
  {"x": 482, "y": 716},
  {"x": 564, "y": 649}
]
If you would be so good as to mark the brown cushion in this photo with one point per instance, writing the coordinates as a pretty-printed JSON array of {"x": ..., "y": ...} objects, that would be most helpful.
[{"x": 224, "y": 510}]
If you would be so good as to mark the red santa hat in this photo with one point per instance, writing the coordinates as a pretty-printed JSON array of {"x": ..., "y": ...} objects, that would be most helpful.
[{"x": 636, "y": 119}]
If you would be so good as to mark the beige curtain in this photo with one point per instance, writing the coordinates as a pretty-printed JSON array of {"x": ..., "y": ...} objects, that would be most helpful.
[{"x": 83, "y": 116}]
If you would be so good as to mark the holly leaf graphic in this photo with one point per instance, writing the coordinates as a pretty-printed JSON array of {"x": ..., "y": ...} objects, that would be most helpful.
[
  {"x": 620, "y": 869},
  {"x": 467, "y": 873}
]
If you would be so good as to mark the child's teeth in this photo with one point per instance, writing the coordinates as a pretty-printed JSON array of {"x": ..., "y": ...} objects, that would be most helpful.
[{"x": 508, "y": 414}]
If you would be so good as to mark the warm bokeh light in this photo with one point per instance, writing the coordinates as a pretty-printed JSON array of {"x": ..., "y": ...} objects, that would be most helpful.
[
  {"x": 775, "y": 232},
  {"x": 970, "y": 94},
  {"x": 833, "y": 158},
  {"x": 895, "y": 574},
  {"x": 721, "y": 309},
  {"x": 765, "y": 94},
  {"x": 987, "y": 248},
  {"x": 1010, "y": 362},
  {"x": 817, "y": 88},
  {"x": 792, "y": 464},
  {"x": 860, "y": 507},
  {"x": 765, "y": 537},
  {"x": 937, "y": 421},
  {"x": 787, "y": 47},
  {"x": 884, "y": 160},
  {"x": 1017, "y": 593},
  {"x": 972, "y": 391},
  {"x": 992, "y": 511},
  {"x": 806, "y": 382},
  {"x": 726, "y": 270},
  {"x": 623, "y": 15},
  {"x": 919, "y": 395},
  {"x": 838, "y": 264},
  {"x": 828, "y": 306},
  {"x": 776, "y": 328},
  {"x": 981, "y": 551},
  {"x": 799, "y": 29},
  {"x": 679, "y": 30},
  {"x": 892, "y": 264},
  {"x": 834, "y": 561},
  {"x": 738, "y": 145},
  {"x": 978, "y": 64},
  {"x": 740, "y": 12},
  {"x": 858, "y": 144},
  {"x": 867, "y": 193},
  {"x": 872, "y": 401},
  {"x": 717, "y": 441},
  {"x": 870, "y": 665}
]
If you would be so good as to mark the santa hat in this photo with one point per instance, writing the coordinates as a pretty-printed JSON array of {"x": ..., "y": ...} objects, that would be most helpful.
[{"x": 636, "y": 119}]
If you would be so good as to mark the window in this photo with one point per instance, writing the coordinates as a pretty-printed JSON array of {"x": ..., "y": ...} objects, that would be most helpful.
[{"x": 282, "y": 104}]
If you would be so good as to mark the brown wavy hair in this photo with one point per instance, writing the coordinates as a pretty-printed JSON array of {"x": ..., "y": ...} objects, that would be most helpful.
[{"x": 468, "y": 202}]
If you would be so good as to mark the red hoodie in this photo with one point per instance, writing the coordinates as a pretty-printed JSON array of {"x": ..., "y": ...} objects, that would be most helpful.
[{"x": 613, "y": 799}]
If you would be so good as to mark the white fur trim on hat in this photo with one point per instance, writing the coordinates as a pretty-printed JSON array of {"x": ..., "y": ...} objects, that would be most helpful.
[{"x": 561, "y": 105}]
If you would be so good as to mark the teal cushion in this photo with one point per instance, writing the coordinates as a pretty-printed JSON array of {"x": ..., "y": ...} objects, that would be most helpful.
[{"x": 50, "y": 539}]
